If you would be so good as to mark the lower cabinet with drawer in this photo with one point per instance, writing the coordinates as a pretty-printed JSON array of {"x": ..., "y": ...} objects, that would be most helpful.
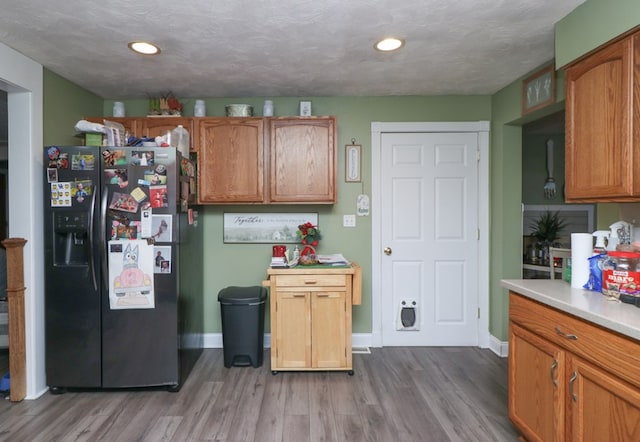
[
  {"x": 570, "y": 379},
  {"x": 311, "y": 317}
]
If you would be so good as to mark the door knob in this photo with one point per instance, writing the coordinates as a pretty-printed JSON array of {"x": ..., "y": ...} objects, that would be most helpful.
[{"x": 387, "y": 251}]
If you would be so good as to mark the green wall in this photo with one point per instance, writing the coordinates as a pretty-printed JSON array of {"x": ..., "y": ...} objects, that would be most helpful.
[
  {"x": 245, "y": 264},
  {"x": 64, "y": 104},
  {"x": 592, "y": 24}
]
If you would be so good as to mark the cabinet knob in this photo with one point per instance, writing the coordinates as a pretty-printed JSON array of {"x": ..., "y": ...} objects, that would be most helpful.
[{"x": 388, "y": 251}]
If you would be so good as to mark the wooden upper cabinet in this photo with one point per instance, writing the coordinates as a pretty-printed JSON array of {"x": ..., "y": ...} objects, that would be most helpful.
[
  {"x": 603, "y": 123},
  {"x": 302, "y": 160},
  {"x": 231, "y": 160},
  {"x": 158, "y": 126}
]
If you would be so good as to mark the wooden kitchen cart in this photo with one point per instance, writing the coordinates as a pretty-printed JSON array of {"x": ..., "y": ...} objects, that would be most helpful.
[{"x": 311, "y": 316}]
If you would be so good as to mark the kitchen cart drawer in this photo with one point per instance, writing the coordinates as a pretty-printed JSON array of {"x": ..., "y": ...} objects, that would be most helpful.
[
  {"x": 613, "y": 352},
  {"x": 311, "y": 280}
]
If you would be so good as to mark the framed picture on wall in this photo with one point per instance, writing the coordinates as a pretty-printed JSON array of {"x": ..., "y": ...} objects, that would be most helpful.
[
  {"x": 265, "y": 227},
  {"x": 539, "y": 89}
]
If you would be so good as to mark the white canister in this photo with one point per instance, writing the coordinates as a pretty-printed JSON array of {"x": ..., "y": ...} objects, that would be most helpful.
[
  {"x": 267, "y": 110},
  {"x": 199, "y": 109},
  {"x": 305, "y": 108},
  {"x": 118, "y": 109}
]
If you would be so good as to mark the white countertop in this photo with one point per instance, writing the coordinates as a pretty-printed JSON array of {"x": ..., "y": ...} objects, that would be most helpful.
[{"x": 585, "y": 304}]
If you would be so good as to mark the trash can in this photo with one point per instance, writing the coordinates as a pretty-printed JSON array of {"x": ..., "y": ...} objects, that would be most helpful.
[{"x": 242, "y": 311}]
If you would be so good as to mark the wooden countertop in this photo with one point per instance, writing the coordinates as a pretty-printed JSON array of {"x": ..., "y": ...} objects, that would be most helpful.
[{"x": 585, "y": 304}]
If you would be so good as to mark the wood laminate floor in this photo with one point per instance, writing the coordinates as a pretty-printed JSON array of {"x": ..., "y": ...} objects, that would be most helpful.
[{"x": 396, "y": 394}]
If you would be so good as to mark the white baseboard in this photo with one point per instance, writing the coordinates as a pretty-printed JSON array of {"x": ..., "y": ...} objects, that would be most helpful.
[
  {"x": 214, "y": 340},
  {"x": 501, "y": 348}
]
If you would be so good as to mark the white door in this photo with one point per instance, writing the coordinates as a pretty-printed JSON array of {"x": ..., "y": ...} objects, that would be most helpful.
[{"x": 429, "y": 238}]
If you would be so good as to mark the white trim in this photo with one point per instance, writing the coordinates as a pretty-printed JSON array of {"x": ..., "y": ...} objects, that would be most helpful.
[
  {"x": 482, "y": 128},
  {"x": 22, "y": 78},
  {"x": 214, "y": 340},
  {"x": 501, "y": 348}
]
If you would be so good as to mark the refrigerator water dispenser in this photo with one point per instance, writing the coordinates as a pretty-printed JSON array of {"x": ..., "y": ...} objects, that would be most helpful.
[{"x": 70, "y": 239}]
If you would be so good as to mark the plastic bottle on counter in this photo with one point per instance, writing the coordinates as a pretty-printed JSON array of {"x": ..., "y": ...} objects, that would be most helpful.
[
  {"x": 296, "y": 254},
  {"x": 180, "y": 140},
  {"x": 567, "y": 271}
]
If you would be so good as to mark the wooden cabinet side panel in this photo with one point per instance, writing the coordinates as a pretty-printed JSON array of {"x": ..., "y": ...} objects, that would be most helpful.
[
  {"x": 293, "y": 341},
  {"x": 230, "y": 161},
  {"x": 599, "y": 144},
  {"x": 302, "y": 167},
  {"x": 536, "y": 386},
  {"x": 328, "y": 330},
  {"x": 636, "y": 114},
  {"x": 604, "y": 408}
]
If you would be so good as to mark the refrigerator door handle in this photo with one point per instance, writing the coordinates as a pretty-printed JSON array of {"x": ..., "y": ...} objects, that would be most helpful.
[
  {"x": 103, "y": 235},
  {"x": 92, "y": 261}
]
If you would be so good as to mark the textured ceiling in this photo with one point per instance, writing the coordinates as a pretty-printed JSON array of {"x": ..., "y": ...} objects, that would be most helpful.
[{"x": 243, "y": 48}]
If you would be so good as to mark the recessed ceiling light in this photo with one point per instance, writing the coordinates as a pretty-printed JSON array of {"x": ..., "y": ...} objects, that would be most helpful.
[
  {"x": 143, "y": 47},
  {"x": 389, "y": 44}
]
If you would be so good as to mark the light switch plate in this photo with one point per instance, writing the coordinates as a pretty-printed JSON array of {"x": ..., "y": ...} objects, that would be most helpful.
[{"x": 348, "y": 220}]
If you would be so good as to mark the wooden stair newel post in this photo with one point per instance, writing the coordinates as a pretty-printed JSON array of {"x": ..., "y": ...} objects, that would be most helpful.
[{"x": 15, "y": 295}]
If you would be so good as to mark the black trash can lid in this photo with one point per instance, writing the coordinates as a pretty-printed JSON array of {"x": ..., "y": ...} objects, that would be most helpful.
[{"x": 242, "y": 295}]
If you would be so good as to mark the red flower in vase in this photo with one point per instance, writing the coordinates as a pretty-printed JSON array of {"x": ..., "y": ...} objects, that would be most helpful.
[{"x": 308, "y": 234}]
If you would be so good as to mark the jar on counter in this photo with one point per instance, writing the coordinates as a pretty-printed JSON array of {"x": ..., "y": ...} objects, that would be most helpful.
[{"x": 621, "y": 274}]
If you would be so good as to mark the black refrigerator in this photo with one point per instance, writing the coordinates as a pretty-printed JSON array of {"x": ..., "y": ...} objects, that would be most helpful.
[{"x": 111, "y": 265}]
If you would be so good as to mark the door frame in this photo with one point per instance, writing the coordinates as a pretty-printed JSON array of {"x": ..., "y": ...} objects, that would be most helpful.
[{"x": 482, "y": 129}]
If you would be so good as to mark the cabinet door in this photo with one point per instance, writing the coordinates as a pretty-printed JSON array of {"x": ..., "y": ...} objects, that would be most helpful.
[
  {"x": 158, "y": 126},
  {"x": 599, "y": 125},
  {"x": 302, "y": 160},
  {"x": 293, "y": 340},
  {"x": 328, "y": 330},
  {"x": 536, "y": 387},
  {"x": 230, "y": 160},
  {"x": 602, "y": 406}
]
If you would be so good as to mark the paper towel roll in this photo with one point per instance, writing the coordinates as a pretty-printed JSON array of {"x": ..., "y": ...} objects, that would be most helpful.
[{"x": 581, "y": 251}]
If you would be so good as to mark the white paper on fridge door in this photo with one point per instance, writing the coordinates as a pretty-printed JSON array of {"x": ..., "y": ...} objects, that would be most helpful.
[{"x": 131, "y": 275}]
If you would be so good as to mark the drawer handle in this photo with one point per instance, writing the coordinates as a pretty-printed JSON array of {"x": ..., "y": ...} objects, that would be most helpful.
[
  {"x": 299, "y": 295},
  {"x": 573, "y": 378},
  {"x": 310, "y": 281},
  {"x": 553, "y": 373},
  {"x": 566, "y": 335},
  {"x": 322, "y": 295}
]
